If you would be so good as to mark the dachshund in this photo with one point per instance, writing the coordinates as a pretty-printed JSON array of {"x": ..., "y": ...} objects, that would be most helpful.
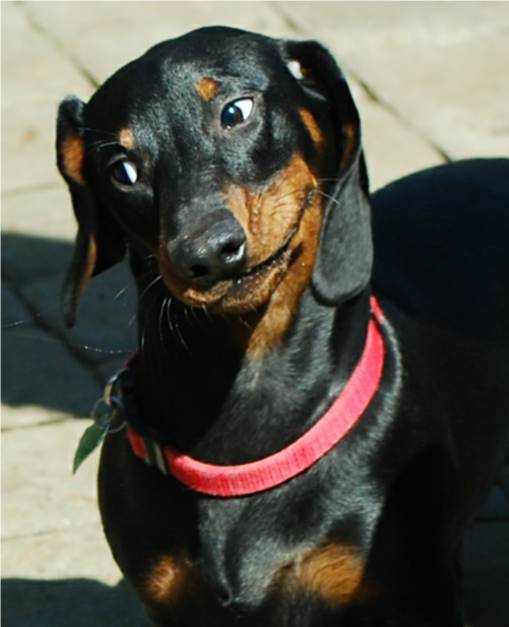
[{"x": 319, "y": 400}]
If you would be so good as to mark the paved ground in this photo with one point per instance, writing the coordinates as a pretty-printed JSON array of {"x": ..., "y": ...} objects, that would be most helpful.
[{"x": 429, "y": 81}]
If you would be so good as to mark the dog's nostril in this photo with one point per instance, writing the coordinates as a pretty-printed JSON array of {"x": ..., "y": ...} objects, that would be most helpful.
[
  {"x": 233, "y": 251},
  {"x": 199, "y": 270}
]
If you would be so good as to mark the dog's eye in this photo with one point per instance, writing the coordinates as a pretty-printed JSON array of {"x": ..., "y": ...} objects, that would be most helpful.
[
  {"x": 124, "y": 172},
  {"x": 236, "y": 112}
]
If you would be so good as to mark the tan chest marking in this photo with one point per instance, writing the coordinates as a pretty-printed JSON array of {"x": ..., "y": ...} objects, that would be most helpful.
[
  {"x": 168, "y": 580},
  {"x": 332, "y": 572},
  {"x": 207, "y": 89},
  {"x": 73, "y": 154}
]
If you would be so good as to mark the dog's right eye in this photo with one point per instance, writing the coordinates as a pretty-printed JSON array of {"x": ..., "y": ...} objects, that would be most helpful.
[
  {"x": 124, "y": 173},
  {"x": 236, "y": 112}
]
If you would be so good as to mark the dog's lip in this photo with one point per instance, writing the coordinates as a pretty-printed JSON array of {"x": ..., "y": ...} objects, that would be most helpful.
[{"x": 269, "y": 261}]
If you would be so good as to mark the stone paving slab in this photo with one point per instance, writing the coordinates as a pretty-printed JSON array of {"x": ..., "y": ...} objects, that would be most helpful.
[
  {"x": 392, "y": 150},
  {"x": 106, "y": 322},
  {"x": 63, "y": 501},
  {"x": 106, "y": 38},
  {"x": 38, "y": 228},
  {"x": 41, "y": 381},
  {"x": 35, "y": 78},
  {"x": 37, "y": 244},
  {"x": 439, "y": 65}
]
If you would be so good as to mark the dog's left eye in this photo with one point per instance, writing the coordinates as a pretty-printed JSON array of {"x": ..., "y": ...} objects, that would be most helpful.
[
  {"x": 236, "y": 112},
  {"x": 124, "y": 172}
]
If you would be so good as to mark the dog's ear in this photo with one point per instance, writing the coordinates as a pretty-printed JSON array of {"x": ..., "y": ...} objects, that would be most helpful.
[
  {"x": 345, "y": 255},
  {"x": 98, "y": 242}
]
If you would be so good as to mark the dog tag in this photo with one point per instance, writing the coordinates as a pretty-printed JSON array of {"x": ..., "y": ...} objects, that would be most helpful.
[
  {"x": 104, "y": 413},
  {"x": 89, "y": 441}
]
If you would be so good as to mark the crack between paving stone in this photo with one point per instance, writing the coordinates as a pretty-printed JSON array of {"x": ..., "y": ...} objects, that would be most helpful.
[
  {"x": 372, "y": 95},
  {"x": 47, "y": 532},
  {"x": 367, "y": 89},
  {"x": 42, "y": 423},
  {"x": 52, "y": 39},
  {"x": 36, "y": 187}
]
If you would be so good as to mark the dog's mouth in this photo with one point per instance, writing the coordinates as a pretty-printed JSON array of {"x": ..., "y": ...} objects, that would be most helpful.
[
  {"x": 249, "y": 289},
  {"x": 264, "y": 265}
]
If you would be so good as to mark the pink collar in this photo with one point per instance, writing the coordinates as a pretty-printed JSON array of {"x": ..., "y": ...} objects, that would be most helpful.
[{"x": 267, "y": 473}]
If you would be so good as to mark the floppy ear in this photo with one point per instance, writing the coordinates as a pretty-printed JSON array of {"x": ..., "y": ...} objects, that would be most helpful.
[
  {"x": 98, "y": 242},
  {"x": 345, "y": 255}
]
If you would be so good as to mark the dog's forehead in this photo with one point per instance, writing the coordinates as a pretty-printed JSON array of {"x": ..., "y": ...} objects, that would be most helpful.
[
  {"x": 228, "y": 50},
  {"x": 177, "y": 70}
]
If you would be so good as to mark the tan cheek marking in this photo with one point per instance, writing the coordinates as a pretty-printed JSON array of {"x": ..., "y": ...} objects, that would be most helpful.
[
  {"x": 271, "y": 329},
  {"x": 73, "y": 153},
  {"x": 311, "y": 124},
  {"x": 333, "y": 573},
  {"x": 279, "y": 208},
  {"x": 267, "y": 215},
  {"x": 126, "y": 138},
  {"x": 167, "y": 580},
  {"x": 207, "y": 89}
]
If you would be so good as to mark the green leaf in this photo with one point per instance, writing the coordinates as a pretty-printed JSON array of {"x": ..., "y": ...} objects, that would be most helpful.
[{"x": 89, "y": 441}]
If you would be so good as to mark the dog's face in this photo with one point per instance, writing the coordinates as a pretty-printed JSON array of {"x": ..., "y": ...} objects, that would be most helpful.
[{"x": 213, "y": 153}]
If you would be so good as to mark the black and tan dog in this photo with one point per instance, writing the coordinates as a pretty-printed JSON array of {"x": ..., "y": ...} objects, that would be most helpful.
[{"x": 314, "y": 453}]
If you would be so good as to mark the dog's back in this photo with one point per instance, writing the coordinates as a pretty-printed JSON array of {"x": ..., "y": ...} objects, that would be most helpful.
[
  {"x": 442, "y": 246},
  {"x": 442, "y": 256}
]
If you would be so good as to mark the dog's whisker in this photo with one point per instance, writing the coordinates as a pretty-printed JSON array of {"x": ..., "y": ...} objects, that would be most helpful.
[
  {"x": 120, "y": 293},
  {"x": 328, "y": 196},
  {"x": 161, "y": 318},
  {"x": 96, "y": 146},
  {"x": 150, "y": 285},
  {"x": 172, "y": 317},
  {"x": 73, "y": 345},
  {"x": 328, "y": 180},
  {"x": 31, "y": 320},
  {"x": 168, "y": 316}
]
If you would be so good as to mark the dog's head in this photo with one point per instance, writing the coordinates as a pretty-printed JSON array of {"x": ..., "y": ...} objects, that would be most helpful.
[{"x": 232, "y": 159}]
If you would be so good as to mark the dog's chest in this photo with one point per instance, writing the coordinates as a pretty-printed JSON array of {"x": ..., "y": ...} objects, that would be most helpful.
[{"x": 252, "y": 560}]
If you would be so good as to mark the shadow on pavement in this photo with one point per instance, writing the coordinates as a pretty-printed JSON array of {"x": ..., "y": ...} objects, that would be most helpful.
[
  {"x": 44, "y": 363},
  {"x": 76, "y": 602}
]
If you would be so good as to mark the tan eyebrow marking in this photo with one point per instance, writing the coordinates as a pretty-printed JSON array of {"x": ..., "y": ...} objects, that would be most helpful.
[
  {"x": 126, "y": 138},
  {"x": 207, "y": 89}
]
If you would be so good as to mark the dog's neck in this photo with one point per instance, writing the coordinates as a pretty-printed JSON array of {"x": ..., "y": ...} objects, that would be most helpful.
[{"x": 197, "y": 384}]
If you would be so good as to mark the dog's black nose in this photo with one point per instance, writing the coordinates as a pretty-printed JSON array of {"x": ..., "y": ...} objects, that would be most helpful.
[{"x": 212, "y": 252}]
